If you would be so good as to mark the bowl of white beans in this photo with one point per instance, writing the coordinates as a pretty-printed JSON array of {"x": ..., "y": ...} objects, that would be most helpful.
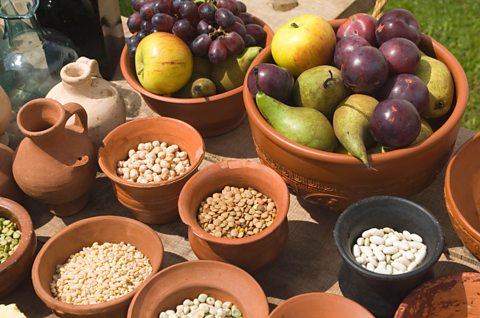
[
  {"x": 148, "y": 161},
  {"x": 388, "y": 246}
]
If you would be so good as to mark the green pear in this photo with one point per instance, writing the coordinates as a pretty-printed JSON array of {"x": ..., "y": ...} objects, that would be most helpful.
[
  {"x": 350, "y": 124},
  {"x": 203, "y": 87},
  {"x": 425, "y": 132},
  {"x": 231, "y": 73},
  {"x": 436, "y": 76},
  {"x": 321, "y": 88},
  {"x": 186, "y": 90},
  {"x": 303, "y": 125}
]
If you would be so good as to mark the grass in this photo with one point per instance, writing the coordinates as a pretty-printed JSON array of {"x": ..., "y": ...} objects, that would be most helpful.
[{"x": 455, "y": 24}]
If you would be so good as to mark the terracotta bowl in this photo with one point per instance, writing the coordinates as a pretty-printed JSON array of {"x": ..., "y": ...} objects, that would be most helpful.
[
  {"x": 211, "y": 116},
  {"x": 8, "y": 186},
  {"x": 225, "y": 282},
  {"x": 311, "y": 304},
  {"x": 17, "y": 266},
  {"x": 73, "y": 238},
  {"x": 250, "y": 253},
  {"x": 154, "y": 203},
  {"x": 462, "y": 193},
  {"x": 445, "y": 297},
  {"x": 337, "y": 180}
]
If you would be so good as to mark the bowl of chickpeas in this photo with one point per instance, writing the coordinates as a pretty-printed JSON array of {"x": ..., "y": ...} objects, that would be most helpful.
[{"x": 148, "y": 161}]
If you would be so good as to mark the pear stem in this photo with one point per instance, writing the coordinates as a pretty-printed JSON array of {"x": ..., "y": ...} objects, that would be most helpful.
[
  {"x": 294, "y": 25},
  {"x": 329, "y": 81}
]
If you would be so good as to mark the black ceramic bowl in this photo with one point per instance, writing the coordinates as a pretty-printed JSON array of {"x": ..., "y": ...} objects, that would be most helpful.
[{"x": 381, "y": 293}]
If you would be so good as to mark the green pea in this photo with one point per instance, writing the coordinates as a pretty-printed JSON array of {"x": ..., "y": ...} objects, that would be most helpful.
[
  {"x": 7, "y": 222},
  {"x": 16, "y": 235}
]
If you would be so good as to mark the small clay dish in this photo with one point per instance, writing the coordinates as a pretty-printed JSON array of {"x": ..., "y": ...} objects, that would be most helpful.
[
  {"x": 8, "y": 186},
  {"x": 462, "y": 193},
  {"x": 18, "y": 265},
  {"x": 250, "y": 253},
  {"x": 152, "y": 203},
  {"x": 84, "y": 233},
  {"x": 382, "y": 293},
  {"x": 312, "y": 304},
  {"x": 171, "y": 286},
  {"x": 444, "y": 297}
]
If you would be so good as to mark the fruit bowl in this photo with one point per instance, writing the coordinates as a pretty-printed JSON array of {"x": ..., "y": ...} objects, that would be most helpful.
[
  {"x": 337, "y": 180},
  {"x": 211, "y": 116}
]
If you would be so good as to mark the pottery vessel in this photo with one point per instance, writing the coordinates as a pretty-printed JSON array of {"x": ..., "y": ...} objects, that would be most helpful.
[
  {"x": 382, "y": 293},
  {"x": 337, "y": 180},
  {"x": 73, "y": 238},
  {"x": 82, "y": 83},
  {"x": 17, "y": 266},
  {"x": 153, "y": 203},
  {"x": 250, "y": 253},
  {"x": 462, "y": 193},
  {"x": 211, "y": 116},
  {"x": 225, "y": 282},
  {"x": 55, "y": 163},
  {"x": 5, "y": 113},
  {"x": 8, "y": 186}
]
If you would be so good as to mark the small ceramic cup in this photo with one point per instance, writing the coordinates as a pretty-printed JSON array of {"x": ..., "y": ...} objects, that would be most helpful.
[
  {"x": 382, "y": 293},
  {"x": 152, "y": 203},
  {"x": 250, "y": 253}
]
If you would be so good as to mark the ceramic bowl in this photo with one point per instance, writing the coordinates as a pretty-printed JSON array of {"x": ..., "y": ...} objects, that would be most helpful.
[
  {"x": 462, "y": 193},
  {"x": 153, "y": 203},
  {"x": 17, "y": 266},
  {"x": 311, "y": 304},
  {"x": 250, "y": 253},
  {"x": 445, "y": 297},
  {"x": 381, "y": 293},
  {"x": 171, "y": 286},
  {"x": 73, "y": 238},
  {"x": 337, "y": 180},
  {"x": 8, "y": 186},
  {"x": 211, "y": 116}
]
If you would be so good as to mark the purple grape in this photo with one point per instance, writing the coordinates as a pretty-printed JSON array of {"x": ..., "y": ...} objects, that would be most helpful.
[
  {"x": 395, "y": 123},
  {"x": 273, "y": 80},
  {"x": 142, "y": 33},
  {"x": 233, "y": 42},
  {"x": 137, "y": 4},
  {"x": 241, "y": 7},
  {"x": 398, "y": 23},
  {"x": 176, "y": 5},
  {"x": 134, "y": 22},
  {"x": 409, "y": 87},
  {"x": 206, "y": 11},
  {"x": 132, "y": 43},
  {"x": 249, "y": 40},
  {"x": 163, "y": 22},
  {"x": 364, "y": 70},
  {"x": 246, "y": 17},
  {"x": 200, "y": 45},
  {"x": 258, "y": 33},
  {"x": 183, "y": 29},
  {"x": 402, "y": 55},
  {"x": 188, "y": 10},
  {"x": 204, "y": 27},
  {"x": 224, "y": 18},
  {"x": 146, "y": 11},
  {"x": 217, "y": 53},
  {"x": 230, "y": 5},
  {"x": 147, "y": 25},
  {"x": 162, "y": 6},
  {"x": 239, "y": 28},
  {"x": 346, "y": 46}
]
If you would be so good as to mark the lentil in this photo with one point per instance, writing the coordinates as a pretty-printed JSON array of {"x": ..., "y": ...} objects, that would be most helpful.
[
  {"x": 203, "y": 306},
  {"x": 9, "y": 238}
]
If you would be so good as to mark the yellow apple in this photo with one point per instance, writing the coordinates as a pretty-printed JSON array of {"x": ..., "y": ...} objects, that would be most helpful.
[
  {"x": 303, "y": 42},
  {"x": 163, "y": 63}
]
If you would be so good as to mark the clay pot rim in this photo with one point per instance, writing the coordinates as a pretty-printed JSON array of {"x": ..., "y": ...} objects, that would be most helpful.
[
  {"x": 131, "y": 79},
  {"x": 42, "y": 101},
  {"x": 111, "y": 173},
  {"x": 18, "y": 214},
  {"x": 219, "y": 168},
  {"x": 313, "y": 296},
  {"x": 452, "y": 208},
  {"x": 461, "y": 90},
  {"x": 422, "y": 267},
  {"x": 62, "y": 307}
]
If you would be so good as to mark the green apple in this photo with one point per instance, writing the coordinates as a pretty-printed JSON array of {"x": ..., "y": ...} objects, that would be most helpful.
[
  {"x": 163, "y": 63},
  {"x": 303, "y": 42}
]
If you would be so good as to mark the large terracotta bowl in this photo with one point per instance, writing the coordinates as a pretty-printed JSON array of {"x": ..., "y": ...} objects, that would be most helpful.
[
  {"x": 250, "y": 253},
  {"x": 72, "y": 239},
  {"x": 211, "y": 116},
  {"x": 312, "y": 304},
  {"x": 462, "y": 193},
  {"x": 8, "y": 186},
  {"x": 18, "y": 265},
  {"x": 153, "y": 203},
  {"x": 337, "y": 180},
  {"x": 171, "y": 286}
]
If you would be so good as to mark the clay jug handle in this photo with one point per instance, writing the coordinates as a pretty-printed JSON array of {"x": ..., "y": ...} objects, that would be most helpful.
[{"x": 81, "y": 120}]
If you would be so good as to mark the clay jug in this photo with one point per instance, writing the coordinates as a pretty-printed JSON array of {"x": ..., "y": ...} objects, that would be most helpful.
[
  {"x": 55, "y": 162},
  {"x": 5, "y": 112},
  {"x": 8, "y": 187},
  {"x": 83, "y": 84}
]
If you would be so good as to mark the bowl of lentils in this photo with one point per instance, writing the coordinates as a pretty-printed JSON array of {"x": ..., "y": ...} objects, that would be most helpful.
[
  {"x": 236, "y": 212},
  {"x": 94, "y": 267},
  {"x": 148, "y": 161}
]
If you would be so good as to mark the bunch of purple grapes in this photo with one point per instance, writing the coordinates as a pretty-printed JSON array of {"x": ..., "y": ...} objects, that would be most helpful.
[{"x": 214, "y": 29}]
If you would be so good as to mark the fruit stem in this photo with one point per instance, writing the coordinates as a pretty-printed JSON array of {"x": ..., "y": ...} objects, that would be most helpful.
[
  {"x": 329, "y": 81},
  {"x": 294, "y": 25}
]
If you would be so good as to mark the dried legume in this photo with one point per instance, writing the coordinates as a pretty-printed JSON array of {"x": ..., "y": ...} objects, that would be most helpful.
[{"x": 9, "y": 238}]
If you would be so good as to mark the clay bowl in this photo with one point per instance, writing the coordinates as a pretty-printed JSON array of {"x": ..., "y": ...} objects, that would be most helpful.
[
  {"x": 154, "y": 203},
  {"x": 8, "y": 186},
  {"x": 381, "y": 293},
  {"x": 337, "y": 180},
  {"x": 17, "y": 266},
  {"x": 311, "y": 304},
  {"x": 171, "y": 286},
  {"x": 250, "y": 253},
  {"x": 462, "y": 193},
  {"x": 73, "y": 238},
  {"x": 444, "y": 297},
  {"x": 211, "y": 116}
]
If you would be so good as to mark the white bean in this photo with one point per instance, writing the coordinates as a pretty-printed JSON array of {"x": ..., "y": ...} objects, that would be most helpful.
[
  {"x": 416, "y": 238},
  {"x": 390, "y": 250}
]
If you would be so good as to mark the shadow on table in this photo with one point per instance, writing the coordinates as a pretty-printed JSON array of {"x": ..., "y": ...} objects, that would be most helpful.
[{"x": 171, "y": 259}]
